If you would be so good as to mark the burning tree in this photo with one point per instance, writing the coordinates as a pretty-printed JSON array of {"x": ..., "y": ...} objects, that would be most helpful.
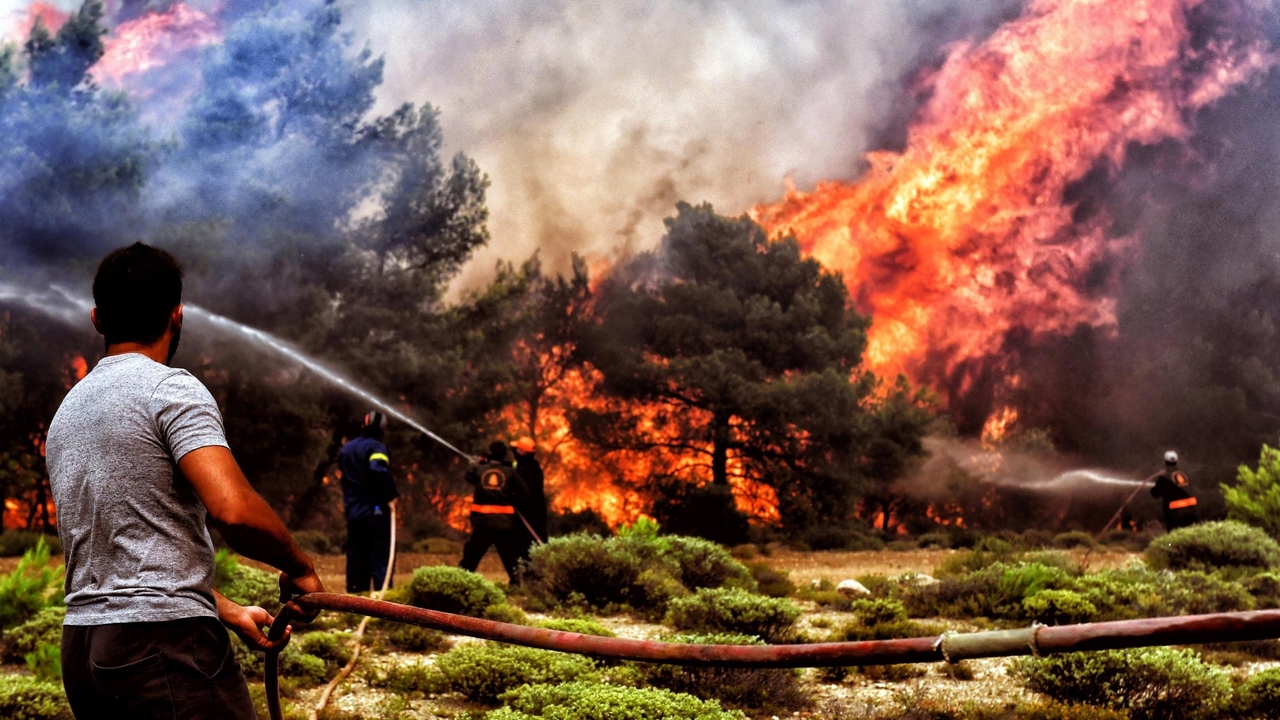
[{"x": 732, "y": 351}]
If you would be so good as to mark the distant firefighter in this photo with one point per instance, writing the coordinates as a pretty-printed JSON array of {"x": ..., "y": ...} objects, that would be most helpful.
[
  {"x": 498, "y": 490},
  {"x": 530, "y": 470},
  {"x": 367, "y": 494},
  {"x": 1174, "y": 491}
]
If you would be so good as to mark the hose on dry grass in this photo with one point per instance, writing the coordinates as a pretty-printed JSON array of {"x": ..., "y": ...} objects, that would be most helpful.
[{"x": 948, "y": 647}]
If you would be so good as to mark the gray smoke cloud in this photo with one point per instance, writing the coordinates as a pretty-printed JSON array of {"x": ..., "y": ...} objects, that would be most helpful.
[{"x": 593, "y": 119}]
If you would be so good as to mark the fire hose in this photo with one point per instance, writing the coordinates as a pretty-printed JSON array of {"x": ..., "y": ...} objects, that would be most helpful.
[{"x": 949, "y": 647}]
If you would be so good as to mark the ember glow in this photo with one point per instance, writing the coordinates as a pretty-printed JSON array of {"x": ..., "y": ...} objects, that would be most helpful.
[
  {"x": 966, "y": 236},
  {"x": 148, "y": 42}
]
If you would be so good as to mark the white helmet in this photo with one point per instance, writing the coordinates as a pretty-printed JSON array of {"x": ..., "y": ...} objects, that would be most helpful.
[{"x": 1171, "y": 457}]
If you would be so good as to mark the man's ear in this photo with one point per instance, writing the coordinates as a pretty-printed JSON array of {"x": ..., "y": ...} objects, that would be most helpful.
[
  {"x": 175, "y": 318},
  {"x": 93, "y": 318}
]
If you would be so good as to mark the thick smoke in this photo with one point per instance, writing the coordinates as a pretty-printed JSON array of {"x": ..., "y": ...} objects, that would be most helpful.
[{"x": 593, "y": 119}]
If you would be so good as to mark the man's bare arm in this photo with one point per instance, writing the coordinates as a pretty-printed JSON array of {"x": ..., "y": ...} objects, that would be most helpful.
[{"x": 245, "y": 520}]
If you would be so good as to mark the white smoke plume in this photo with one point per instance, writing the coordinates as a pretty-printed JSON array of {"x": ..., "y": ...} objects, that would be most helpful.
[{"x": 593, "y": 119}]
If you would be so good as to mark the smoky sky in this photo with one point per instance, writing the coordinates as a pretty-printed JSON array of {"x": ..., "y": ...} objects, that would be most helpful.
[{"x": 593, "y": 118}]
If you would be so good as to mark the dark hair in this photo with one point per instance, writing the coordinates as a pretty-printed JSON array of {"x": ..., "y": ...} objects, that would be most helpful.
[
  {"x": 136, "y": 289},
  {"x": 498, "y": 450}
]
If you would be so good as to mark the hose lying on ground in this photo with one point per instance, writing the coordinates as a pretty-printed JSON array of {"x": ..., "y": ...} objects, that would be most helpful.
[{"x": 948, "y": 647}]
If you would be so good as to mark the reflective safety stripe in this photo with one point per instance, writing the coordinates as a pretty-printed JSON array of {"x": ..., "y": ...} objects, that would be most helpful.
[
  {"x": 1183, "y": 503},
  {"x": 379, "y": 456},
  {"x": 493, "y": 509}
]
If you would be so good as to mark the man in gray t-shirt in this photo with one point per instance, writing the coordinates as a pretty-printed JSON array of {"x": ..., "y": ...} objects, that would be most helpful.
[{"x": 138, "y": 462}]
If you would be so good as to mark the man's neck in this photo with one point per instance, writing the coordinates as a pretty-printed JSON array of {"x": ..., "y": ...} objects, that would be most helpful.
[{"x": 158, "y": 350}]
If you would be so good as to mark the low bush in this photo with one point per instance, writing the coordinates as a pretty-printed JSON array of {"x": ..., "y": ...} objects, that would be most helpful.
[
  {"x": 595, "y": 701},
  {"x": 483, "y": 671},
  {"x": 1264, "y": 588},
  {"x": 835, "y": 537},
  {"x": 604, "y": 574},
  {"x": 45, "y": 662},
  {"x": 332, "y": 647},
  {"x": 1036, "y": 538},
  {"x": 878, "y": 611},
  {"x": 1150, "y": 684},
  {"x": 1258, "y": 698},
  {"x": 985, "y": 553},
  {"x": 505, "y": 613},
  {"x": 411, "y": 638},
  {"x": 761, "y": 689},
  {"x": 1213, "y": 545},
  {"x": 28, "y": 698},
  {"x": 1073, "y": 539},
  {"x": 704, "y": 564},
  {"x": 934, "y": 540},
  {"x": 296, "y": 667},
  {"x": 18, "y": 542},
  {"x": 318, "y": 542},
  {"x": 925, "y": 708},
  {"x": 736, "y": 611},
  {"x": 453, "y": 590},
  {"x": 582, "y": 627},
  {"x": 44, "y": 628},
  {"x": 32, "y": 586},
  {"x": 245, "y": 585},
  {"x": 407, "y": 677},
  {"x": 1059, "y": 607}
]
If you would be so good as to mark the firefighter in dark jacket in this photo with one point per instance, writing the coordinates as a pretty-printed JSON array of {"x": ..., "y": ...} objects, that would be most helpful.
[
  {"x": 367, "y": 494},
  {"x": 1174, "y": 491},
  {"x": 535, "y": 506},
  {"x": 498, "y": 490}
]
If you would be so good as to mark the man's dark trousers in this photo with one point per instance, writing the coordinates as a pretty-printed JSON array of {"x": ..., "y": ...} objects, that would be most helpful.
[
  {"x": 368, "y": 547},
  {"x": 175, "y": 670},
  {"x": 500, "y": 530}
]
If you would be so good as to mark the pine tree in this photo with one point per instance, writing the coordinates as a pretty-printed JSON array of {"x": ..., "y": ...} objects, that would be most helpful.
[{"x": 1256, "y": 497}]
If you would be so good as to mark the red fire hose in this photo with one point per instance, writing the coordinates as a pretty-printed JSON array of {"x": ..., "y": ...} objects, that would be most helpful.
[{"x": 948, "y": 647}]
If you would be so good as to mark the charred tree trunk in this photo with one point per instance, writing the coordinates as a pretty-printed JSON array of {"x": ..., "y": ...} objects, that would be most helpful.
[
  {"x": 306, "y": 504},
  {"x": 720, "y": 450}
]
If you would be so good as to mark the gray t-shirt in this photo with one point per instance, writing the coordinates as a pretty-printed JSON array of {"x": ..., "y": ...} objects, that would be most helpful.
[{"x": 132, "y": 528}]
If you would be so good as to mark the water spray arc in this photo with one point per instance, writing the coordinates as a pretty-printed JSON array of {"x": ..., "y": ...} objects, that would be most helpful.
[{"x": 72, "y": 309}]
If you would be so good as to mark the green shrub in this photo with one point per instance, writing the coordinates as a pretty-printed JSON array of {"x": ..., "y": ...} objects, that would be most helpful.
[
  {"x": 934, "y": 540},
  {"x": 1151, "y": 684},
  {"x": 736, "y": 611},
  {"x": 1197, "y": 593},
  {"x": 411, "y": 638},
  {"x": 332, "y": 647},
  {"x": 834, "y": 537},
  {"x": 1073, "y": 539},
  {"x": 1258, "y": 698},
  {"x": 985, "y": 553},
  {"x": 917, "y": 707},
  {"x": 749, "y": 688},
  {"x": 503, "y": 612},
  {"x": 594, "y": 701},
  {"x": 582, "y": 627},
  {"x": 28, "y": 698},
  {"x": 304, "y": 669},
  {"x": 604, "y": 574},
  {"x": 773, "y": 583},
  {"x": 18, "y": 542},
  {"x": 878, "y": 611},
  {"x": 44, "y": 628},
  {"x": 704, "y": 564},
  {"x": 1256, "y": 497},
  {"x": 1059, "y": 607},
  {"x": 245, "y": 585},
  {"x": 45, "y": 662},
  {"x": 453, "y": 590},
  {"x": 1265, "y": 590},
  {"x": 407, "y": 677},
  {"x": 32, "y": 586},
  {"x": 1213, "y": 545},
  {"x": 483, "y": 671},
  {"x": 318, "y": 542}
]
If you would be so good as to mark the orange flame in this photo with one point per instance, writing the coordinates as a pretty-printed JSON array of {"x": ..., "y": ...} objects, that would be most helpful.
[
  {"x": 965, "y": 235},
  {"x": 150, "y": 41}
]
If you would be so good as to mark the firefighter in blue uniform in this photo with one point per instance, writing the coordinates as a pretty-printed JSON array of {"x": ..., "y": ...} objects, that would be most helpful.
[
  {"x": 498, "y": 491},
  {"x": 367, "y": 494},
  {"x": 1174, "y": 491}
]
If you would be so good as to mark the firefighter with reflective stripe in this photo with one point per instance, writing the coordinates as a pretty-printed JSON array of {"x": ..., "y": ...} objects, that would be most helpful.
[
  {"x": 367, "y": 494},
  {"x": 1174, "y": 491},
  {"x": 535, "y": 505},
  {"x": 498, "y": 490}
]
